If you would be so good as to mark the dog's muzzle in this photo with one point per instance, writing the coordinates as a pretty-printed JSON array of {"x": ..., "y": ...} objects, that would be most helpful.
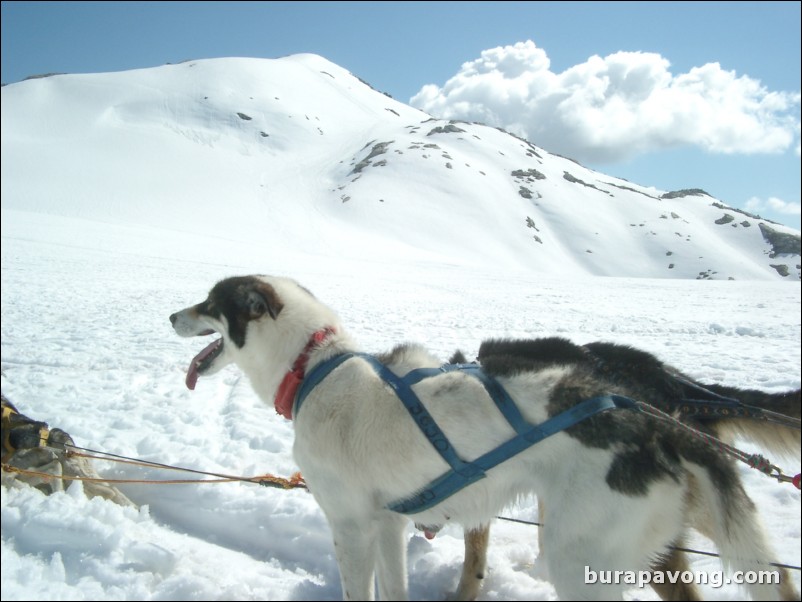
[{"x": 186, "y": 324}]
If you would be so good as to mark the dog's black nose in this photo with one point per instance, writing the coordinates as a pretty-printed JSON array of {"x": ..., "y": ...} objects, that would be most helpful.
[{"x": 173, "y": 318}]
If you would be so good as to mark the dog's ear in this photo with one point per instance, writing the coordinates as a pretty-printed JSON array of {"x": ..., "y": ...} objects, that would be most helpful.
[{"x": 262, "y": 300}]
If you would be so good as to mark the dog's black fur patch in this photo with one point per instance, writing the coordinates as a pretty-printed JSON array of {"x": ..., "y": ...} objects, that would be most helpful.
[
  {"x": 458, "y": 358},
  {"x": 240, "y": 299},
  {"x": 505, "y": 357},
  {"x": 394, "y": 356},
  {"x": 646, "y": 449}
]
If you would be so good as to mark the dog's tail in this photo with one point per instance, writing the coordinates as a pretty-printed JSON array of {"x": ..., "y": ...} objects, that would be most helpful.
[
  {"x": 724, "y": 512},
  {"x": 776, "y": 437}
]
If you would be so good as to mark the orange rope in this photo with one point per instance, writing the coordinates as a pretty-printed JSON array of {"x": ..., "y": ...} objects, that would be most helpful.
[{"x": 267, "y": 480}]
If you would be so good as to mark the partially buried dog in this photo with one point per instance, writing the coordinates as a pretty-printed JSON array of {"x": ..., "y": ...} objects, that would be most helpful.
[
  {"x": 620, "y": 487},
  {"x": 36, "y": 455}
]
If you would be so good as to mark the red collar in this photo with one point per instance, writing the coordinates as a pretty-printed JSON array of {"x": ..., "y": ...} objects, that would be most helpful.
[{"x": 285, "y": 395}]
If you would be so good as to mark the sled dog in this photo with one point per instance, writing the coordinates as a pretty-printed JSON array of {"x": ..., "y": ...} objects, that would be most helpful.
[
  {"x": 619, "y": 487},
  {"x": 40, "y": 457},
  {"x": 666, "y": 388}
]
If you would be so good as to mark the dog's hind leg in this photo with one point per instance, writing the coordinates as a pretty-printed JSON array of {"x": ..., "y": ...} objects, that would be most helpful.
[
  {"x": 674, "y": 563},
  {"x": 475, "y": 565},
  {"x": 391, "y": 564}
]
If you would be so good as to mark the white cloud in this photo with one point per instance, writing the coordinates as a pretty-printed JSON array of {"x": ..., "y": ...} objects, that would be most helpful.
[
  {"x": 774, "y": 204},
  {"x": 608, "y": 109}
]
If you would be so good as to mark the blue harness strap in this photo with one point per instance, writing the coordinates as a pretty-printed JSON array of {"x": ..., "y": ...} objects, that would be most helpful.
[
  {"x": 315, "y": 375},
  {"x": 461, "y": 473},
  {"x": 403, "y": 390},
  {"x": 498, "y": 394},
  {"x": 450, "y": 482}
]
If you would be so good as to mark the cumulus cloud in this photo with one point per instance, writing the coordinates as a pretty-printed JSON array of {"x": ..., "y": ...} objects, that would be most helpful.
[
  {"x": 609, "y": 109},
  {"x": 757, "y": 205}
]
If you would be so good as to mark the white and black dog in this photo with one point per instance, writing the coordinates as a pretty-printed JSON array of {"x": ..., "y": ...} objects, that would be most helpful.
[
  {"x": 620, "y": 487},
  {"x": 671, "y": 391}
]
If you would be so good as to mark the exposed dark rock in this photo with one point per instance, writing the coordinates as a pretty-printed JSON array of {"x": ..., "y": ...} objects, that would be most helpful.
[
  {"x": 371, "y": 87},
  {"x": 244, "y": 117},
  {"x": 529, "y": 173},
  {"x": 574, "y": 180},
  {"x": 448, "y": 129},
  {"x": 741, "y": 211},
  {"x": 782, "y": 269},
  {"x": 41, "y": 76},
  {"x": 781, "y": 243},
  {"x": 630, "y": 189},
  {"x": 725, "y": 219},
  {"x": 378, "y": 149},
  {"x": 676, "y": 194},
  {"x": 532, "y": 149}
]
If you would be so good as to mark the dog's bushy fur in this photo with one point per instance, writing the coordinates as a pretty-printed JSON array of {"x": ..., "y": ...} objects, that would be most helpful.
[
  {"x": 661, "y": 385},
  {"x": 619, "y": 488}
]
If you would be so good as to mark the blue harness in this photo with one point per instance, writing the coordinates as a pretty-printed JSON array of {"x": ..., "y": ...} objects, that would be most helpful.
[{"x": 461, "y": 473}]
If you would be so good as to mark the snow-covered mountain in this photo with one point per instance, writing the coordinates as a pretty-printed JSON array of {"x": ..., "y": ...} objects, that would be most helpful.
[
  {"x": 298, "y": 156},
  {"x": 127, "y": 196}
]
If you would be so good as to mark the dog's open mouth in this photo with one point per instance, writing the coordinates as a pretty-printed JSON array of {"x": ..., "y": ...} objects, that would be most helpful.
[{"x": 203, "y": 361}]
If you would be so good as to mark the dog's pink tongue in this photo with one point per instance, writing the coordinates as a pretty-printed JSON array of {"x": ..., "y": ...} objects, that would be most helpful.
[{"x": 192, "y": 371}]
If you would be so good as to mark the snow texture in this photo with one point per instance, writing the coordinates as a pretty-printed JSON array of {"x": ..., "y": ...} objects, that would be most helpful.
[{"x": 125, "y": 197}]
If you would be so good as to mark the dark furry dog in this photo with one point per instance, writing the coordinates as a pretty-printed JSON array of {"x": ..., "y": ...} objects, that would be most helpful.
[
  {"x": 40, "y": 457},
  {"x": 662, "y": 386}
]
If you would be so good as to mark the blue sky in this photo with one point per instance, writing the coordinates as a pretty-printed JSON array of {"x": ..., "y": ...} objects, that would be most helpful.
[{"x": 631, "y": 111}]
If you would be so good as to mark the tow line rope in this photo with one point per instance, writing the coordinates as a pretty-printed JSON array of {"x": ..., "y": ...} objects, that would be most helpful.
[
  {"x": 296, "y": 481},
  {"x": 266, "y": 480},
  {"x": 756, "y": 461},
  {"x": 677, "y": 548}
]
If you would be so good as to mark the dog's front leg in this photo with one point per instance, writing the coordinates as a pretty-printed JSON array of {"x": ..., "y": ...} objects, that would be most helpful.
[
  {"x": 392, "y": 560},
  {"x": 355, "y": 549}
]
